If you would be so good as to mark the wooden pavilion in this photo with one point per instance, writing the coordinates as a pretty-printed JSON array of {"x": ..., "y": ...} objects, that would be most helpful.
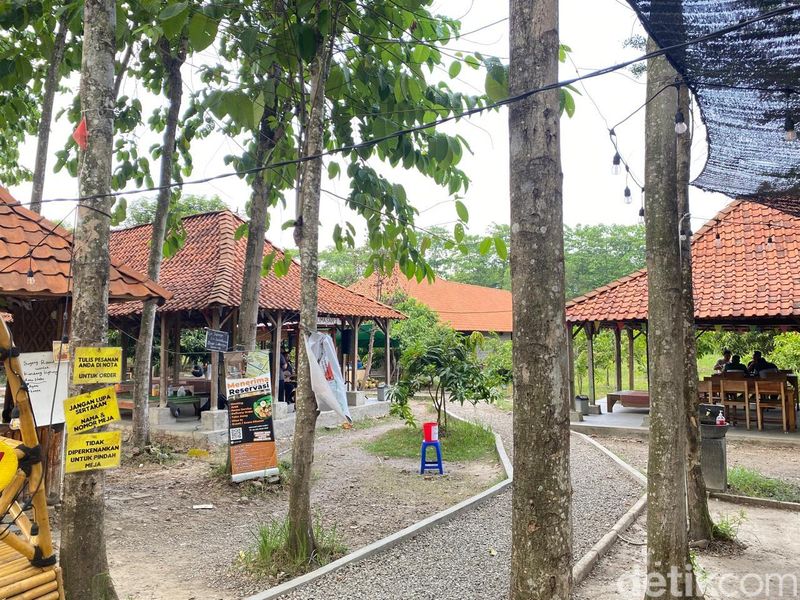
[
  {"x": 35, "y": 286},
  {"x": 745, "y": 265},
  {"x": 205, "y": 277}
]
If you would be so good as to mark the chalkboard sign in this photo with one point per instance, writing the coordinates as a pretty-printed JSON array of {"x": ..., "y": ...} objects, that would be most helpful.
[{"x": 216, "y": 341}]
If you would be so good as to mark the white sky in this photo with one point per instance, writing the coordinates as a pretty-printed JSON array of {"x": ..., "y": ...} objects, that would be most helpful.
[{"x": 595, "y": 30}]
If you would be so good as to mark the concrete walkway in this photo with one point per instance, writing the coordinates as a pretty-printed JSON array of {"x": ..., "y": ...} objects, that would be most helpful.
[{"x": 469, "y": 557}]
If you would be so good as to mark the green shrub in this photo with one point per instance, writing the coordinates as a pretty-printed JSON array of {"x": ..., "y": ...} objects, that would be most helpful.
[
  {"x": 461, "y": 442},
  {"x": 748, "y": 482}
]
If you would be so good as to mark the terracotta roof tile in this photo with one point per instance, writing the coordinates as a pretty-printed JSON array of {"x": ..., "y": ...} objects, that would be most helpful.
[
  {"x": 465, "y": 307},
  {"x": 741, "y": 278},
  {"x": 207, "y": 271},
  {"x": 28, "y": 240}
]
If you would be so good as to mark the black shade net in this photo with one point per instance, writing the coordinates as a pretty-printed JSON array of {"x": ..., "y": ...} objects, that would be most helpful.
[{"x": 746, "y": 82}]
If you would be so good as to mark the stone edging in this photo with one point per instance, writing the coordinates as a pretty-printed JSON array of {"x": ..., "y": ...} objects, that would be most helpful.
[
  {"x": 398, "y": 537},
  {"x": 584, "y": 566},
  {"x": 751, "y": 501}
]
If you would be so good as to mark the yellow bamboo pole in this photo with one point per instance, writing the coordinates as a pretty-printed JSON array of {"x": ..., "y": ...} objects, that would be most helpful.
[
  {"x": 28, "y": 584},
  {"x": 37, "y": 592},
  {"x": 29, "y": 437},
  {"x": 19, "y": 576}
]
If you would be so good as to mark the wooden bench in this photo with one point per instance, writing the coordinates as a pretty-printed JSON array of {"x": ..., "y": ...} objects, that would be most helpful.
[{"x": 628, "y": 399}]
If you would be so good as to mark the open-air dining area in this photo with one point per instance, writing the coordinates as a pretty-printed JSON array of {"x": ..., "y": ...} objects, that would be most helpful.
[{"x": 742, "y": 261}]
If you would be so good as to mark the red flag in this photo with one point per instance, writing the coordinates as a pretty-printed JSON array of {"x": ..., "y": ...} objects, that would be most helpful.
[{"x": 81, "y": 134}]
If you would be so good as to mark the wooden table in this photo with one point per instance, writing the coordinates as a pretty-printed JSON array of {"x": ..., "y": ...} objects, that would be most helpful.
[{"x": 628, "y": 399}]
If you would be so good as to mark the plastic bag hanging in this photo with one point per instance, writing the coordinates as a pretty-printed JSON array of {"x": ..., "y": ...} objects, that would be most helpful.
[{"x": 326, "y": 375}]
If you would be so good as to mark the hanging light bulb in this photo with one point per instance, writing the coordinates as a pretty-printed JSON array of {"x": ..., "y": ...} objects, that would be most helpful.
[
  {"x": 770, "y": 244},
  {"x": 616, "y": 168},
  {"x": 628, "y": 197},
  {"x": 680, "y": 123},
  {"x": 641, "y": 216},
  {"x": 717, "y": 241},
  {"x": 788, "y": 128},
  {"x": 30, "y": 280}
]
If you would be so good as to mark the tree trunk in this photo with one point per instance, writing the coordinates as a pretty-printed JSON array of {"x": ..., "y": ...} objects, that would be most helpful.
[
  {"x": 306, "y": 234},
  {"x": 144, "y": 344},
  {"x": 48, "y": 95},
  {"x": 541, "y": 556},
  {"x": 700, "y": 522},
  {"x": 83, "y": 547},
  {"x": 667, "y": 543},
  {"x": 268, "y": 137}
]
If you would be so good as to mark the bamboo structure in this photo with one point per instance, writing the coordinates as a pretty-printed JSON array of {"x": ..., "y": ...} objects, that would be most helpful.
[{"x": 28, "y": 564}]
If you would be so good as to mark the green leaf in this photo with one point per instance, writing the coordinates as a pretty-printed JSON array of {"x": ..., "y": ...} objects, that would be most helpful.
[
  {"x": 202, "y": 31},
  {"x": 241, "y": 231},
  {"x": 266, "y": 264},
  {"x": 497, "y": 83},
  {"x": 172, "y": 10},
  {"x": 472, "y": 61},
  {"x": 485, "y": 246},
  {"x": 307, "y": 42},
  {"x": 458, "y": 232},
  {"x": 455, "y": 69},
  {"x": 567, "y": 102},
  {"x": 462, "y": 211},
  {"x": 439, "y": 147},
  {"x": 500, "y": 246},
  {"x": 333, "y": 170}
]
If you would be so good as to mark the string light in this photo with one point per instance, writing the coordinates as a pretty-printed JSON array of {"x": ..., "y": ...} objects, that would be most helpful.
[
  {"x": 680, "y": 123},
  {"x": 628, "y": 197},
  {"x": 717, "y": 241},
  {"x": 641, "y": 216},
  {"x": 770, "y": 245},
  {"x": 616, "y": 167},
  {"x": 30, "y": 280}
]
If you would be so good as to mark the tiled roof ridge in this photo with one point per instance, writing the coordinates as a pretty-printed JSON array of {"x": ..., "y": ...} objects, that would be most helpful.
[
  {"x": 717, "y": 219},
  {"x": 221, "y": 289},
  {"x": 357, "y": 293},
  {"x": 186, "y": 218}
]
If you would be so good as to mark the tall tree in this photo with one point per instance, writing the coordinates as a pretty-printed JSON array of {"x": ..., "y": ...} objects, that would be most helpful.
[
  {"x": 667, "y": 541},
  {"x": 48, "y": 97},
  {"x": 700, "y": 522},
  {"x": 541, "y": 558},
  {"x": 172, "y": 55},
  {"x": 306, "y": 235},
  {"x": 83, "y": 547}
]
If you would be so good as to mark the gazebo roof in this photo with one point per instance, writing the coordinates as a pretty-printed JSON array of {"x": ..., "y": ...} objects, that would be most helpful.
[
  {"x": 29, "y": 241},
  {"x": 208, "y": 270},
  {"x": 463, "y": 306},
  {"x": 739, "y": 277}
]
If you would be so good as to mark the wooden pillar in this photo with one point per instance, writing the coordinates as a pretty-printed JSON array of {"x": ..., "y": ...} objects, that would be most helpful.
[
  {"x": 214, "y": 387},
  {"x": 354, "y": 353},
  {"x": 590, "y": 361},
  {"x": 388, "y": 352},
  {"x": 176, "y": 357},
  {"x": 125, "y": 343},
  {"x": 571, "y": 363},
  {"x": 631, "y": 362},
  {"x": 163, "y": 365},
  {"x": 618, "y": 357},
  {"x": 276, "y": 353},
  {"x": 342, "y": 364}
]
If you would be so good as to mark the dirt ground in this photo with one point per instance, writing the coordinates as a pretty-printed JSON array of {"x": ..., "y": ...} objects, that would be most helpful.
[
  {"x": 781, "y": 462},
  {"x": 161, "y": 548},
  {"x": 769, "y": 559}
]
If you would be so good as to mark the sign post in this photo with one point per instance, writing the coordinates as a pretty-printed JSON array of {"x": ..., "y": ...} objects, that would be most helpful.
[{"x": 251, "y": 435}]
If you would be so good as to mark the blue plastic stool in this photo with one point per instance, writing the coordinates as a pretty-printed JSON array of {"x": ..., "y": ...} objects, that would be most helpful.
[{"x": 430, "y": 465}]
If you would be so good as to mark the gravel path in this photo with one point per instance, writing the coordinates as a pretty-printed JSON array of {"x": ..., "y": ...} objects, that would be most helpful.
[{"x": 469, "y": 557}]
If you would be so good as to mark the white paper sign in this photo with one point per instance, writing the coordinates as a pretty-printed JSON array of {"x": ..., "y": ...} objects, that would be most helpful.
[{"x": 39, "y": 372}]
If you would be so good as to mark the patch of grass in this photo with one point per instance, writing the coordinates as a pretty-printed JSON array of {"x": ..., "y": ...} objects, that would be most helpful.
[
  {"x": 727, "y": 528},
  {"x": 356, "y": 425},
  {"x": 460, "y": 443},
  {"x": 748, "y": 482},
  {"x": 268, "y": 554},
  {"x": 160, "y": 454}
]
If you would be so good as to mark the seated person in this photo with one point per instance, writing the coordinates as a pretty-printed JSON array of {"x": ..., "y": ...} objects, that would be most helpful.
[
  {"x": 759, "y": 364},
  {"x": 735, "y": 365},
  {"x": 719, "y": 367}
]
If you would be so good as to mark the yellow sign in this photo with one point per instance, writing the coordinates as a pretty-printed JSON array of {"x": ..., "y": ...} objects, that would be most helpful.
[
  {"x": 90, "y": 451},
  {"x": 97, "y": 365},
  {"x": 87, "y": 411},
  {"x": 8, "y": 464}
]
